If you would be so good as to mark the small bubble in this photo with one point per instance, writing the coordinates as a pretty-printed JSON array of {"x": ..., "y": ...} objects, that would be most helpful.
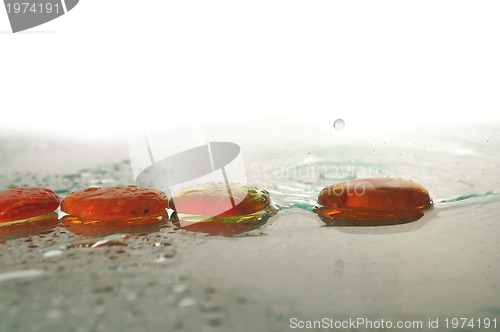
[{"x": 339, "y": 124}]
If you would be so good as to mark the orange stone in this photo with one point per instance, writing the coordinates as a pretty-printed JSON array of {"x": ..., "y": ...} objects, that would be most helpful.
[
  {"x": 377, "y": 201},
  {"x": 210, "y": 209},
  {"x": 211, "y": 200},
  {"x": 24, "y": 203},
  {"x": 115, "y": 203}
]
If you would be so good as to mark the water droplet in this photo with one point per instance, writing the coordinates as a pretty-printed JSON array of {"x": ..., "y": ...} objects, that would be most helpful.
[
  {"x": 339, "y": 263},
  {"x": 169, "y": 253},
  {"x": 186, "y": 302},
  {"x": 180, "y": 288},
  {"x": 52, "y": 253},
  {"x": 9, "y": 275},
  {"x": 160, "y": 259},
  {"x": 163, "y": 243},
  {"x": 214, "y": 321},
  {"x": 209, "y": 307},
  {"x": 339, "y": 124}
]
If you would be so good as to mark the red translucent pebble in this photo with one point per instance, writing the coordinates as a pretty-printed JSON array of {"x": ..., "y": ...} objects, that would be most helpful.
[
  {"x": 377, "y": 201},
  {"x": 219, "y": 210},
  {"x": 215, "y": 200},
  {"x": 115, "y": 203},
  {"x": 24, "y": 203},
  {"x": 376, "y": 194}
]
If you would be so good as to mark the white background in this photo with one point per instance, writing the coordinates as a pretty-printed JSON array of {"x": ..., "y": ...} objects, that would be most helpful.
[{"x": 110, "y": 65}]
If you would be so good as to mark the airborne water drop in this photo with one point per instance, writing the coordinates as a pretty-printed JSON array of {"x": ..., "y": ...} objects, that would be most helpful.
[{"x": 339, "y": 124}]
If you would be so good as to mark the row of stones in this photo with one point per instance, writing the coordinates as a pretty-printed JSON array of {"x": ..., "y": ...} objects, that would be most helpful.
[{"x": 377, "y": 201}]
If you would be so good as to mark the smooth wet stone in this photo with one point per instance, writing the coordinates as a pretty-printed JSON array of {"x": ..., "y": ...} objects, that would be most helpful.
[
  {"x": 214, "y": 200},
  {"x": 115, "y": 203},
  {"x": 209, "y": 209},
  {"x": 372, "y": 202},
  {"x": 25, "y": 203}
]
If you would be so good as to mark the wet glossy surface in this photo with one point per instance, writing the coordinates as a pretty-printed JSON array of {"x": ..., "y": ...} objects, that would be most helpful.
[
  {"x": 115, "y": 203},
  {"x": 210, "y": 210},
  {"x": 353, "y": 217},
  {"x": 28, "y": 227},
  {"x": 224, "y": 225},
  {"x": 443, "y": 265},
  {"x": 23, "y": 203},
  {"x": 376, "y": 194},
  {"x": 215, "y": 200},
  {"x": 140, "y": 225},
  {"x": 369, "y": 202}
]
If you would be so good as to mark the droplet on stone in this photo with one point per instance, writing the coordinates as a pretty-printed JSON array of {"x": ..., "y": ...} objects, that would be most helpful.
[{"x": 115, "y": 203}]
